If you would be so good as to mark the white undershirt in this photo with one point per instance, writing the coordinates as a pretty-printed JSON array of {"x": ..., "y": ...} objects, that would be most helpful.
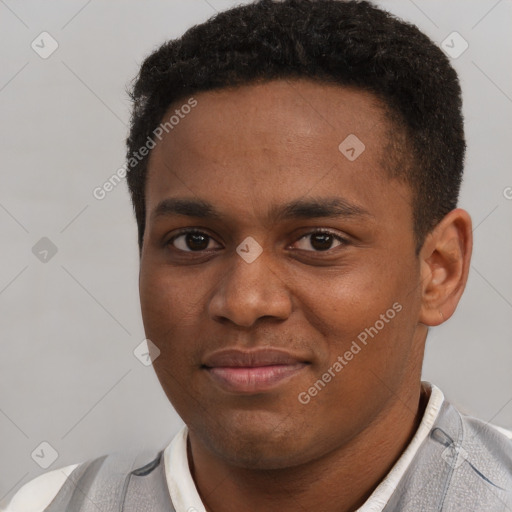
[{"x": 37, "y": 494}]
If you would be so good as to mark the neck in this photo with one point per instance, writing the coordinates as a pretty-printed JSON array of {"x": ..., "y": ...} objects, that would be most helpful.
[{"x": 340, "y": 481}]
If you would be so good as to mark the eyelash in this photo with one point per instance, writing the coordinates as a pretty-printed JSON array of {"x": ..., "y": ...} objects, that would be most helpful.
[{"x": 188, "y": 231}]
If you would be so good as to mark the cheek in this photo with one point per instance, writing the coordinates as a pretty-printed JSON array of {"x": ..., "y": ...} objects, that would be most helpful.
[
  {"x": 364, "y": 313},
  {"x": 341, "y": 302},
  {"x": 171, "y": 317},
  {"x": 166, "y": 297},
  {"x": 174, "y": 312},
  {"x": 165, "y": 309}
]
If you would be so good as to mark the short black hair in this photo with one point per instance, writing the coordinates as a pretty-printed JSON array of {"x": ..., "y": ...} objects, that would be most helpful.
[{"x": 345, "y": 42}]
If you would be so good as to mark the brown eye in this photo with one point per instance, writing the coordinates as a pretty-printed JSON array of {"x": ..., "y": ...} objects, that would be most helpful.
[
  {"x": 191, "y": 241},
  {"x": 321, "y": 241}
]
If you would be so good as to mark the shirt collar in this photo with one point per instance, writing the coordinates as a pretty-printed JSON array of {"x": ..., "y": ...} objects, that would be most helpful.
[
  {"x": 380, "y": 496},
  {"x": 185, "y": 497}
]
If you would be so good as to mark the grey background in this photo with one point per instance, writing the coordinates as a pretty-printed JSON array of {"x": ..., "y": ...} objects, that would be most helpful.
[{"x": 68, "y": 375}]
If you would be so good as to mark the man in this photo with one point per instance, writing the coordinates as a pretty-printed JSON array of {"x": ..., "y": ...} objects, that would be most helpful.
[{"x": 294, "y": 168}]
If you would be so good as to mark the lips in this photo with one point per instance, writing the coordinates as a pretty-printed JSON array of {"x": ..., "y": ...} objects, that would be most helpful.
[{"x": 253, "y": 371}]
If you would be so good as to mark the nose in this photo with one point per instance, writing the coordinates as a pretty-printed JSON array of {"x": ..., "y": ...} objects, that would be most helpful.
[{"x": 250, "y": 291}]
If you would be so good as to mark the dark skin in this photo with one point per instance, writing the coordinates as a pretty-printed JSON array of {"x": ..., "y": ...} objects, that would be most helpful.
[{"x": 244, "y": 151}]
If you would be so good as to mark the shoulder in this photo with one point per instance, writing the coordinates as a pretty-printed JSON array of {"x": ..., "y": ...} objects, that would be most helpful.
[
  {"x": 102, "y": 476},
  {"x": 504, "y": 431},
  {"x": 37, "y": 494},
  {"x": 486, "y": 461},
  {"x": 488, "y": 443},
  {"x": 487, "y": 434}
]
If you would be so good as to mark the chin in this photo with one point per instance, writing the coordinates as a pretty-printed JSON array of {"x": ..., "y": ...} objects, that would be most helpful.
[{"x": 261, "y": 442}]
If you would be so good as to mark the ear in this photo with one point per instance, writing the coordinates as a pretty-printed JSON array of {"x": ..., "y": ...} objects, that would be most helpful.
[{"x": 444, "y": 265}]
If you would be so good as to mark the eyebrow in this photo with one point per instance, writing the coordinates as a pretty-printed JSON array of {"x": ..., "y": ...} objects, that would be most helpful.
[{"x": 330, "y": 207}]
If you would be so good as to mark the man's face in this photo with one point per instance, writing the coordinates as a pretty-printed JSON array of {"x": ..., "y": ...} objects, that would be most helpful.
[{"x": 325, "y": 284}]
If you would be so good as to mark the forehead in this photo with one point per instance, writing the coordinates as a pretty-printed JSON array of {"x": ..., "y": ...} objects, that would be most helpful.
[
  {"x": 272, "y": 142},
  {"x": 294, "y": 111}
]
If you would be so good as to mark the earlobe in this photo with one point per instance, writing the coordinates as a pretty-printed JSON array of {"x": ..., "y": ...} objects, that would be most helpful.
[{"x": 445, "y": 260}]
